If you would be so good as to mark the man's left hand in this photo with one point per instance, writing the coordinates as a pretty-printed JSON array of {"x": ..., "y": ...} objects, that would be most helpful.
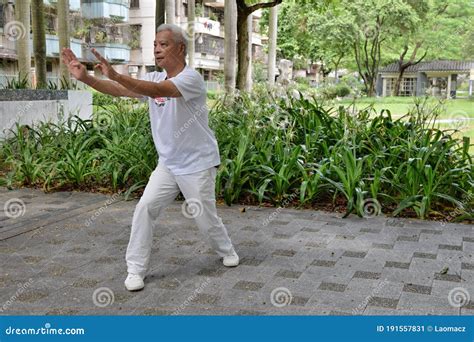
[{"x": 104, "y": 66}]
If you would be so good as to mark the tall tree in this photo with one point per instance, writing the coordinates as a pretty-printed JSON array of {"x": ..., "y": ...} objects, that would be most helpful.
[
  {"x": 39, "y": 42},
  {"x": 230, "y": 47},
  {"x": 170, "y": 9},
  {"x": 191, "y": 26},
  {"x": 376, "y": 21},
  {"x": 272, "y": 40},
  {"x": 63, "y": 33},
  {"x": 243, "y": 11},
  {"x": 22, "y": 14}
]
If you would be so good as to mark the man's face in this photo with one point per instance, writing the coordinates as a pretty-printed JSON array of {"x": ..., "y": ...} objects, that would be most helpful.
[{"x": 167, "y": 52}]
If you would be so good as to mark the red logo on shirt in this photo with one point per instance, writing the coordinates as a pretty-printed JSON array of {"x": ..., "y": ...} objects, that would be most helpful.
[{"x": 161, "y": 101}]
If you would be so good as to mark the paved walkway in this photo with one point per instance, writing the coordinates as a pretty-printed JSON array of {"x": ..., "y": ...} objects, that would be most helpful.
[{"x": 63, "y": 253}]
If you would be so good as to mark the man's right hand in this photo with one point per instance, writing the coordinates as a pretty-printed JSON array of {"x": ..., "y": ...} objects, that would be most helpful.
[{"x": 77, "y": 70}]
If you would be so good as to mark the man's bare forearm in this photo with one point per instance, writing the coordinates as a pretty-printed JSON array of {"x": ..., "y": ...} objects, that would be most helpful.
[{"x": 108, "y": 87}]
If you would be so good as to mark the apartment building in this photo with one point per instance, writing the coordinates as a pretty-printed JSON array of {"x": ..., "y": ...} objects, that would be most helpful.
[
  {"x": 123, "y": 31},
  {"x": 102, "y": 25},
  {"x": 209, "y": 35}
]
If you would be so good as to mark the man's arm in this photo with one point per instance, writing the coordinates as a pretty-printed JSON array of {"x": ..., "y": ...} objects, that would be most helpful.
[
  {"x": 147, "y": 88},
  {"x": 109, "y": 87},
  {"x": 79, "y": 72}
]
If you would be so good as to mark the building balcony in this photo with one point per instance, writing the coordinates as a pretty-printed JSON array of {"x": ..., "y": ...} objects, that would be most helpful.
[
  {"x": 7, "y": 47},
  {"x": 93, "y": 9},
  {"x": 216, "y": 4},
  {"x": 210, "y": 45},
  {"x": 118, "y": 53},
  {"x": 52, "y": 46},
  {"x": 206, "y": 26},
  {"x": 74, "y": 5}
]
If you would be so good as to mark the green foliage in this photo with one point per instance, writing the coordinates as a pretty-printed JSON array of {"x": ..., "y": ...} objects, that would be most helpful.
[
  {"x": 273, "y": 149},
  {"x": 17, "y": 83},
  {"x": 335, "y": 90}
]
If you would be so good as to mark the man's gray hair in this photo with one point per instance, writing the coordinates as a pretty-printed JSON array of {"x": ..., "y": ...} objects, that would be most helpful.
[{"x": 178, "y": 34}]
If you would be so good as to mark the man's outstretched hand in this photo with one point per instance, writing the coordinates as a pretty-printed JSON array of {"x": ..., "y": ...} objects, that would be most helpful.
[
  {"x": 77, "y": 70},
  {"x": 104, "y": 66}
]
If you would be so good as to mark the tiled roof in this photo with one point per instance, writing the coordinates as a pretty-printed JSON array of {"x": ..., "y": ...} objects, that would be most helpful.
[{"x": 463, "y": 66}]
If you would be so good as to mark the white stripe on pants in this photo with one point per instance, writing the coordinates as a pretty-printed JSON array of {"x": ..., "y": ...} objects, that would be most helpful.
[{"x": 161, "y": 190}]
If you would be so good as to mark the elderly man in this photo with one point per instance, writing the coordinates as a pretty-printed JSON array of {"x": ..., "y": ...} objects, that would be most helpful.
[{"x": 187, "y": 148}]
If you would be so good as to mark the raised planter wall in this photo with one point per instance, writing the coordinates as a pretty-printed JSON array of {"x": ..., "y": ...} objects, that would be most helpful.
[{"x": 31, "y": 106}]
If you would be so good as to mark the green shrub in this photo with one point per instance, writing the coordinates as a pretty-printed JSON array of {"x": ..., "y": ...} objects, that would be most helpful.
[{"x": 273, "y": 149}]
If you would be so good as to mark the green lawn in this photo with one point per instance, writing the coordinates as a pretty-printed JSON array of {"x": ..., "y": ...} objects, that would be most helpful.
[{"x": 453, "y": 110}]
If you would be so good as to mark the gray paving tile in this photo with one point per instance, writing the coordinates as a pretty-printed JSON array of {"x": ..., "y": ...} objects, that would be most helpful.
[
  {"x": 413, "y": 238},
  {"x": 383, "y": 302},
  {"x": 431, "y": 231},
  {"x": 366, "y": 275},
  {"x": 324, "y": 263},
  {"x": 248, "y": 285},
  {"x": 354, "y": 254},
  {"x": 284, "y": 252},
  {"x": 448, "y": 277},
  {"x": 288, "y": 274},
  {"x": 332, "y": 287},
  {"x": 396, "y": 264},
  {"x": 450, "y": 247},
  {"x": 421, "y": 289},
  {"x": 382, "y": 245},
  {"x": 424, "y": 255},
  {"x": 212, "y": 272}
]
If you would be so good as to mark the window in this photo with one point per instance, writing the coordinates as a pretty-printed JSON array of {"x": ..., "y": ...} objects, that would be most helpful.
[
  {"x": 49, "y": 67},
  {"x": 134, "y": 4},
  {"x": 408, "y": 86}
]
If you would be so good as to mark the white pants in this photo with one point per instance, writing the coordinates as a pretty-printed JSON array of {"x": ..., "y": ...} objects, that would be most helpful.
[{"x": 199, "y": 191}]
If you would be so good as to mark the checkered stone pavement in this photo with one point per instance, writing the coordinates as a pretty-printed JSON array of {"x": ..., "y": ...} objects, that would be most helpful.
[{"x": 63, "y": 254}]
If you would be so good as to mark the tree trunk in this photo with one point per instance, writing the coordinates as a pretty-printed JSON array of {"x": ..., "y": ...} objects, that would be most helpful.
[
  {"x": 159, "y": 13},
  {"x": 248, "y": 77},
  {"x": 243, "y": 11},
  {"x": 191, "y": 26},
  {"x": 170, "y": 10},
  {"x": 63, "y": 34},
  {"x": 230, "y": 47},
  {"x": 39, "y": 42},
  {"x": 242, "y": 44},
  {"x": 272, "y": 42},
  {"x": 403, "y": 66},
  {"x": 22, "y": 14}
]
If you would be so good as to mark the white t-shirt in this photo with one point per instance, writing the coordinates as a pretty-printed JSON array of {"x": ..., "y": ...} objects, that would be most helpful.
[{"x": 180, "y": 125}]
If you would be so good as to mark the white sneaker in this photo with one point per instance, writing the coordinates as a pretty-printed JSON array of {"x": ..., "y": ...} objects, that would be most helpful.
[
  {"x": 231, "y": 260},
  {"x": 134, "y": 282}
]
